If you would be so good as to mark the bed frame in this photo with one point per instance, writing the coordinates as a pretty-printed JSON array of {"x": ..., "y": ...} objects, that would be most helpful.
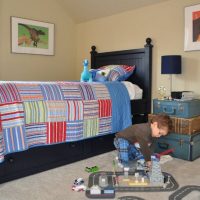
[
  {"x": 38, "y": 159},
  {"x": 142, "y": 58}
]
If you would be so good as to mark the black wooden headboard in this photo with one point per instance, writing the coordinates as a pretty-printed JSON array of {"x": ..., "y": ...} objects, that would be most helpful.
[{"x": 142, "y": 58}]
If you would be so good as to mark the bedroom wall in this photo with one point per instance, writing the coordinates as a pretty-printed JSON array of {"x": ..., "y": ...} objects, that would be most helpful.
[
  {"x": 37, "y": 67},
  {"x": 163, "y": 22}
]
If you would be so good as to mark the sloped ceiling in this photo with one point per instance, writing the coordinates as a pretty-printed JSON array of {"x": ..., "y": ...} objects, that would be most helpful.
[{"x": 85, "y": 10}]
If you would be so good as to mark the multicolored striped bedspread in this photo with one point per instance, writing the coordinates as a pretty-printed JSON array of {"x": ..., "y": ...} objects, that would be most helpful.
[{"x": 44, "y": 113}]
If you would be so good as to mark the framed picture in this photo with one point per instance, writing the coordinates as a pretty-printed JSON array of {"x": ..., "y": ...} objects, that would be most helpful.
[
  {"x": 32, "y": 37},
  {"x": 192, "y": 28}
]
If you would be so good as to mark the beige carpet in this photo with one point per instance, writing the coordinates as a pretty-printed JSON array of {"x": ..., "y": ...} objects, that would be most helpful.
[{"x": 56, "y": 184}]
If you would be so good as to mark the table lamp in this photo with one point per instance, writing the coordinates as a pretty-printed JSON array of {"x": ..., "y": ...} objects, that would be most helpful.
[{"x": 171, "y": 64}]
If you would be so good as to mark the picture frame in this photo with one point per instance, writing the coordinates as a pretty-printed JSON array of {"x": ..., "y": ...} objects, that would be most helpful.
[
  {"x": 31, "y": 36},
  {"x": 192, "y": 28}
]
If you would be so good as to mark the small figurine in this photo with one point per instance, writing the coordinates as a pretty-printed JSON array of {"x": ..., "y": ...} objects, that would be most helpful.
[
  {"x": 162, "y": 92},
  {"x": 86, "y": 75}
]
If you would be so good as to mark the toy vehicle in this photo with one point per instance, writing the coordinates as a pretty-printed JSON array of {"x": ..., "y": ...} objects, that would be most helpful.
[
  {"x": 78, "y": 181},
  {"x": 92, "y": 169},
  {"x": 78, "y": 188}
]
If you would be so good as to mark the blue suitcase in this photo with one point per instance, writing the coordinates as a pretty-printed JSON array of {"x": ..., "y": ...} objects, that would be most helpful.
[
  {"x": 182, "y": 109},
  {"x": 186, "y": 147}
]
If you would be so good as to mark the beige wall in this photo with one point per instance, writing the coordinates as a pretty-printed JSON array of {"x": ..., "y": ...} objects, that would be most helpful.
[
  {"x": 163, "y": 22},
  {"x": 37, "y": 67}
]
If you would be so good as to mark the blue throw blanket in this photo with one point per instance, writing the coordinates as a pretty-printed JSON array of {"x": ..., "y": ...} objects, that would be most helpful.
[{"x": 121, "y": 108}]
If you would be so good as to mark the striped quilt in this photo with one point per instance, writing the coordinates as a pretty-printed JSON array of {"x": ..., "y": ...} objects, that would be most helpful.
[{"x": 45, "y": 113}]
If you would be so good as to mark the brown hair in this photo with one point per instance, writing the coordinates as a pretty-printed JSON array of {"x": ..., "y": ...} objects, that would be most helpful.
[{"x": 163, "y": 120}]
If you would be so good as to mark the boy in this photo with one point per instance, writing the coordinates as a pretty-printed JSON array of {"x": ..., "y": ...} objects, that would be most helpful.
[{"x": 126, "y": 141}]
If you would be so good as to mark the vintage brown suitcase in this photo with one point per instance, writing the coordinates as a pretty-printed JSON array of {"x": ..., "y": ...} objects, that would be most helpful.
[{"x": 184, "y": 126}]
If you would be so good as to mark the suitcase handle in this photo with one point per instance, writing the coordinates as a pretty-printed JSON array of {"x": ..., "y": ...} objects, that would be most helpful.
[
  {"x": 171, "y": 112},
  {"x": 163, "y": 145}
]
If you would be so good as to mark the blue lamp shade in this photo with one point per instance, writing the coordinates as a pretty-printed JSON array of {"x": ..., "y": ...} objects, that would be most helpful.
[{"x": 171, "y": 64}]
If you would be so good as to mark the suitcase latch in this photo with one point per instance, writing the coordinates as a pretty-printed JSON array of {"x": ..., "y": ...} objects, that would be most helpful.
[
  {"x": 181, "y": 141},
  {"x": 158, "y": 105},
  {"x": 180, "y": 108},
  {"x": 170, "y": 112}
]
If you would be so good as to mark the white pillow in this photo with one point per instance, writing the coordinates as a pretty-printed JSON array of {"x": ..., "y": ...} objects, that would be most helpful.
[{"x": 135, "y": 92}]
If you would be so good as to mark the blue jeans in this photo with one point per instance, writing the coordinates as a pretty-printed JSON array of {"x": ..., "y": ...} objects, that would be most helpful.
[{"x": 126, "y": 151}]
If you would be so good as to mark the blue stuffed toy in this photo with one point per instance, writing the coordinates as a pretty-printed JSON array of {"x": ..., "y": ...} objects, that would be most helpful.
[{"x": 86, "y": 75}]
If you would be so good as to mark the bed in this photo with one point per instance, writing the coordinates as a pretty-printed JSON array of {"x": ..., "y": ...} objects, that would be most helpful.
[{"x": 37, "y": 158}]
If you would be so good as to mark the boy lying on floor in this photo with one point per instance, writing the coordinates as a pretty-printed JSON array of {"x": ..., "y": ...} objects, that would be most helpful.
[{"x": 137, "y": 140}]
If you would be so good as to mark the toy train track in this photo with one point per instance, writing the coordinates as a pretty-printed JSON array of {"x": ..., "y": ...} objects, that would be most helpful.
[
  {"x": 184, "y": 191},
  {"x": 130, "y": 198}
]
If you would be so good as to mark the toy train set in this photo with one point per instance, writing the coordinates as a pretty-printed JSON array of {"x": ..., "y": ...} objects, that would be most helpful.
[{"x": 136, "y": 177}]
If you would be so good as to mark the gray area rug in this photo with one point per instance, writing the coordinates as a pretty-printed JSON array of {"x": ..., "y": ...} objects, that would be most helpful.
[{"x": 57, "y": 183}]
